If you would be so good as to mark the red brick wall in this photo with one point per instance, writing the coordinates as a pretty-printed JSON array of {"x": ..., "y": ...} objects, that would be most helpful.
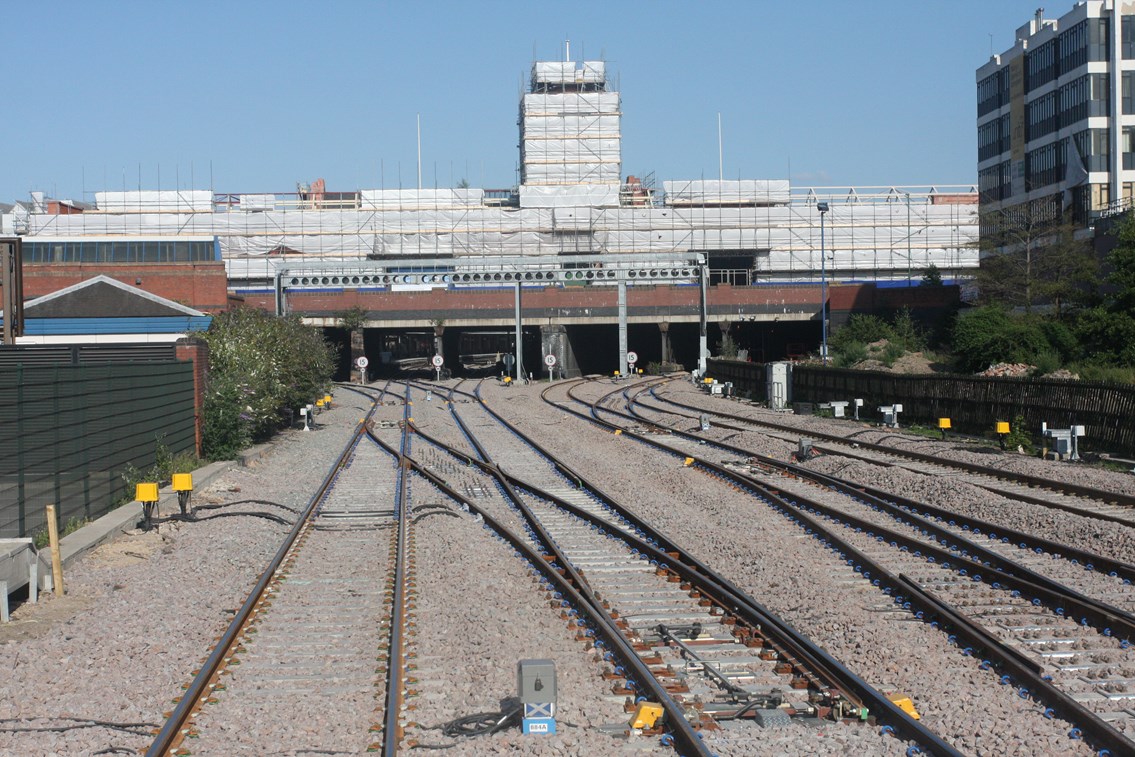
[
  {"x": 196, "y": 352},
  {"x": 202, "y": 286}
]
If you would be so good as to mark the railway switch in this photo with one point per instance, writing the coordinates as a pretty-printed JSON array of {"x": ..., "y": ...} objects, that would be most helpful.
[
  {"x": 182, "y": 483},
  {"x": 147, "y": 495},
  {"x": 704, "y": 422},
  {"x": 536, "y": 685}
]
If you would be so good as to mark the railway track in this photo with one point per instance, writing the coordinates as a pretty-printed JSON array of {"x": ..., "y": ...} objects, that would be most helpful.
[
  {"x": 1107, "y": 579},
  {"x": 727, "y": 661},
  {"x": 1062, "y": 495},
  {"x": 304, "y": 643},
  {"x": 1070, "y": 652}
]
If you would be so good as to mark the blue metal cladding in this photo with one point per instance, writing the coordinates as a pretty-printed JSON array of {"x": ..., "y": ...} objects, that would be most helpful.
[{"x": 154, "y": 325}]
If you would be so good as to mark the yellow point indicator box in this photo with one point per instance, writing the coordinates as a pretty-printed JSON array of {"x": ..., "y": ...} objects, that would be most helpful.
[
  {"x": 943, "y": 423},
  {"x": 182, "y": 482},
  {"x": 147, "y": 492},
  {"x": 646, "y": 714},
  {"x": 1002, "y": 427},
  {"x": 904, "y": 703}
]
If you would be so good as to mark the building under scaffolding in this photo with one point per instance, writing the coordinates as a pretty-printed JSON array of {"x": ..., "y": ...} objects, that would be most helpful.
[{"x": 572, "y": 199}]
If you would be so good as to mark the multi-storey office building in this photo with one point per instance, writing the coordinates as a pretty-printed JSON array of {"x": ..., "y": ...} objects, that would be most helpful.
[{"x": 1056, "y": 117}]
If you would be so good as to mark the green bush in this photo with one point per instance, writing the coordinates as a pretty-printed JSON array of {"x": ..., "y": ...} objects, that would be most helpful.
[
  {"x": 850, "y": 354},
  {"x": 1108, "y": 336},
  {"x": 1047, "y": 362},
  {"x": 892, "y": 352},
  {"x": 260, "y": 367},
  {"x": 991, "y": 335},
  {"x": 1019, "y": 437},
  {"x": 905, "y": 332},
  {"x": 1097, "y": 372},
  {"x": 861, "y": 328}
]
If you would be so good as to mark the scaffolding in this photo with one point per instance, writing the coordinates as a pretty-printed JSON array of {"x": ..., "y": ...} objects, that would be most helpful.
[{"x": 572, "y": 201}]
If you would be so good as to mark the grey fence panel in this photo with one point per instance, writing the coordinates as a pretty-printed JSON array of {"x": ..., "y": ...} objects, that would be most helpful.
[{"x": 70, "y": 431}]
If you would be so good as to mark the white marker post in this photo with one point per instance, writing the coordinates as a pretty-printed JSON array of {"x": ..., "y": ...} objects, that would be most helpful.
[
  {"x": 438, "y": 362},
  {"x": 550, "y": 361},
  {"x": 632, "y": 358},
  {"x": 362, "y": 363}
]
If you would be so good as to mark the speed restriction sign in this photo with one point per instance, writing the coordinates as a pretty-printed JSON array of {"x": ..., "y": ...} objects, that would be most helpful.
[
  {"x": 549, "y": 360},
  {"x": 438, "y": 361},
  {"x": 632, "y": 357},
  {"x": 362, "y": 362}
]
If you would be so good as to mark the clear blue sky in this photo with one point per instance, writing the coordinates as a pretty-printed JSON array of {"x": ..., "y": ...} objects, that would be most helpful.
[{"x": 264, "y": 94}]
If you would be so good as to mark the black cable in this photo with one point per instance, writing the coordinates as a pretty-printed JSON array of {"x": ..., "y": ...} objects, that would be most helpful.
[
  {"x": 77, "y": 723},
  {"x": 246, "y": 502},
  {"x": 423, "y": 516}
]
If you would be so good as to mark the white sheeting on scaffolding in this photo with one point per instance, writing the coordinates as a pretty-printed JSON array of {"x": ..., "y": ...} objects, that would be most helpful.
[
  {"x": 572, "y": 150},
  {"x": 558, "y": 72},
  {"x": 569, "y": 174},
  {"x": 151, "y": 201},
  {"x": 578, "y": 103},
  {"x": 560, "y": 126},
  {"x": 256, "y": 203},
  {"x": 739, "y": 192},
  {"x": 595, "y": 196},
  {"x": 876, "y": 238},
  {"x": 420, "y": 199},
  {"x": 571, "y": 219}
]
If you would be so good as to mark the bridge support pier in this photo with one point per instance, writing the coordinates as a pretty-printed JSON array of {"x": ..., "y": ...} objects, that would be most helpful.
[
  {"x": 554, "y": 341},
  {"x": 667, "y": 352}
]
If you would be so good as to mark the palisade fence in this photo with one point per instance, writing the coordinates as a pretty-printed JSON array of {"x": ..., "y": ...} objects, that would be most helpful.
[
  {"x": 68, "y": 432},
  {"x": 972, "y": 403}
]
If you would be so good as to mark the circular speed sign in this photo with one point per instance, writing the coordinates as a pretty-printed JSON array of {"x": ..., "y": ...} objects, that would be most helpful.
[
  {"x": 438, "y": 361},
  {"x": 362, "y": 362},
  {"x": 632, "y": 357},
  {"x": 549, "y": 360}
]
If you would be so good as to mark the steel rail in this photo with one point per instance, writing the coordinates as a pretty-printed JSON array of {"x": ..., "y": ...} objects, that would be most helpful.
[
  {"x": 842, "y": 451},
  {"x": 686, "y": 738},
  {"x": 731, "y": 598},
  {"x": 1088, "y": 492},
  {"x": 1091, "y": 561},
  {"x": 174, "y": 731},
  {"x": 396, "y": 658},
  {"x": 903, "y": 509},
  {"x": 908, "y": 595}
]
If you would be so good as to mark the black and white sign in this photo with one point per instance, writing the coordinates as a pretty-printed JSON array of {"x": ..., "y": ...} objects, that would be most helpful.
[
  {"x": 362, "y": 362},
  {"x": 632, "y": 357},
  {"x": 549, "y": 360},
  {"x": 438, "y": 361}
]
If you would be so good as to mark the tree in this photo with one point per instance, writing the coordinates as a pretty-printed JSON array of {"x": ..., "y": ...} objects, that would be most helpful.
[
  {"x": 932, "y": 277},
  {"x": 260, "y": 365},
  {"x": 1108, "y": 330},
  {"x": 1030, "y": 255}
]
